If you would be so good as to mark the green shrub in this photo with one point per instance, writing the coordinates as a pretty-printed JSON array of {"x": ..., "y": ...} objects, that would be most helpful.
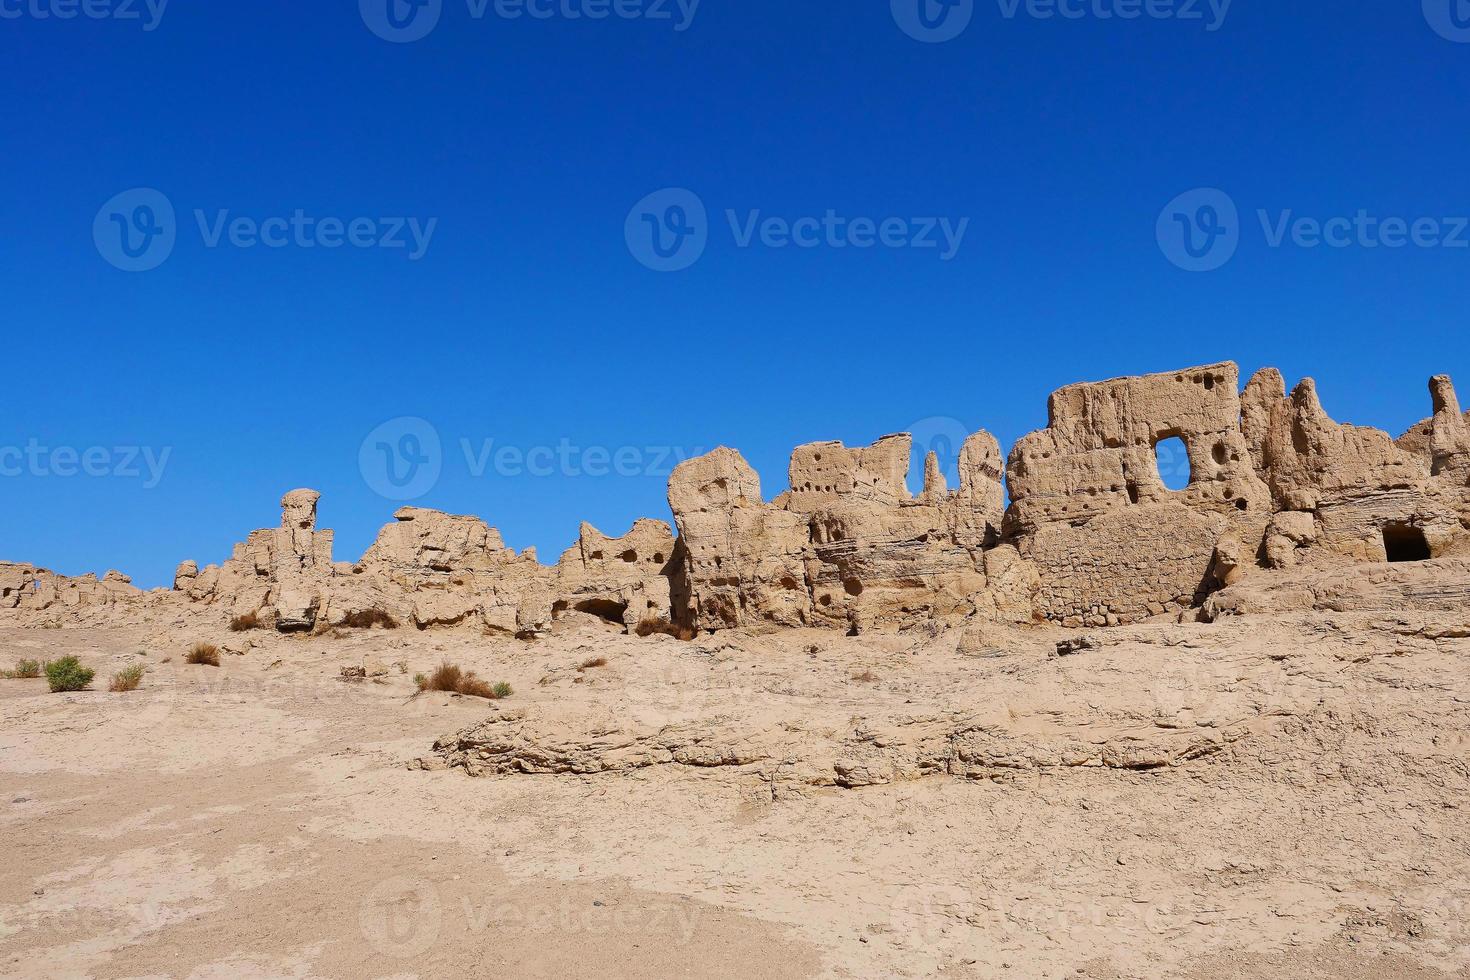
[
  {"x": 68, "y": 674},
  {"x": 24, "y": 670}
]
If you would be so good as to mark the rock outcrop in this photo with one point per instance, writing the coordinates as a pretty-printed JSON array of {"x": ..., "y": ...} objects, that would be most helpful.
[
  {"x": 847, "y": 546},
  {"x": 1093, "y": 534}
]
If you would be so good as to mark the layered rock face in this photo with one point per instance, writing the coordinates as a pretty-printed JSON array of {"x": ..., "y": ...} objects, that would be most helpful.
[
  {"x": 1111, "y": 543},
  {"x": 846, "y": 546},
  {"x": 1353, "y": 491},
  {"x": 432, "y": 569},
  {"x": 1093, "y": 535}
]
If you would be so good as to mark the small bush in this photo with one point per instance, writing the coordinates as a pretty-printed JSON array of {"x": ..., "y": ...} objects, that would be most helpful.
[
  {"x": 68, "y": 674},
  {"x": 446, "y": 677},
  {"x": 249, "y": 621},
  {"x": 25, "y": 670},
  {"x": 472, "y": 687},
  {"x": 593, "y": 662},
  {"x": 127, "y": 679},
  {"x": 866, "y": 677},
  {"x": 206, "y": 654},
  {"x": 451, "y": 679},
  {"x": 366, "y": 619},
  {"x": 651, "y": 626}
]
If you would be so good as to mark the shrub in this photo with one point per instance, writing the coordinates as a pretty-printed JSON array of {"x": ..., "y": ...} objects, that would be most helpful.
[
  {"x": 206, "y": 654},
  {"x": 450, "y": 678},
  {"x": 127, "y": 679},
  {"x": 67, "y": 674},
  {"x": 249, "y": 621},
  {"x": 366, "y": 619},
  {"x": 593, "y": 662},
  {"x": 25, "y": 669},
  {"x": 472, "y": 687},
  {"x": 866, "y": 677},
  {"x": 655, "y": 625}
]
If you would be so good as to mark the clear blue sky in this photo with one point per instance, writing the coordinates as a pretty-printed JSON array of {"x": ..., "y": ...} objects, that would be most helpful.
[{"x": 528, "y": 320}]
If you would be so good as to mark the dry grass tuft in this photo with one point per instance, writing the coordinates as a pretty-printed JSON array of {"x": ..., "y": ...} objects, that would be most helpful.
[
  {"x": 866, "y": 677},
  {"x": 206, "y": 654},
  {"x": 24, "y": 670},
  {"x": 127, "y": 679},
  {"x": 249, "y": 621},
  {"x": 651, "y": 626},
  {"x": 592, "y": 662},
  {"x": 451, "y": 679},
  {"x": 366, "y": 619}
]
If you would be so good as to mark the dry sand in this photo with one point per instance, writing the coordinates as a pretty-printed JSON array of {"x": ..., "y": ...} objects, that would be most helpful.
[{"x": 1277, "y": 796}]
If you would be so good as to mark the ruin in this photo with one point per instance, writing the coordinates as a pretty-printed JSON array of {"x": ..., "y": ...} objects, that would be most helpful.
[{"x": 1092, "y": 535}]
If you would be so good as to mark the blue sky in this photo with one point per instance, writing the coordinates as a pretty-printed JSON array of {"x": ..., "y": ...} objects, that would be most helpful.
[{"x": 523, "y": 321}]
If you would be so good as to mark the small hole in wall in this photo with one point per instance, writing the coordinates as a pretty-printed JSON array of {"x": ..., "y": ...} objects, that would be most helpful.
[
  {"x": 658, "y": 558},
  {"x": 1221, "y": 454},
  {"x": 629, "y": 556},
  {"x": 1209, "y": 382},
  {"x": 1404, "y": 542},
  {"x": 1242, "y": 505},
  {"x": 1172, "y": 457}
]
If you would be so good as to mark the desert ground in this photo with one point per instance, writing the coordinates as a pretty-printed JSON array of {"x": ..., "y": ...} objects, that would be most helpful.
[{"x": 1274, "y": 795}]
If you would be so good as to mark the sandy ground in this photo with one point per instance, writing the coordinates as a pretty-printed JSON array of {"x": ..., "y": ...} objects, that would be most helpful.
[{"x": 1259, "y": 797}]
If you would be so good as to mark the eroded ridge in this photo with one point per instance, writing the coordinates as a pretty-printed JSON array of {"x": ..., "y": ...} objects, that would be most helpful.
[{"x": 1092, "y": 536}]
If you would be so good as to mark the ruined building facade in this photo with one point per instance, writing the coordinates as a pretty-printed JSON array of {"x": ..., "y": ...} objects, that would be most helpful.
[{"x": 1092, "y": 536}]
